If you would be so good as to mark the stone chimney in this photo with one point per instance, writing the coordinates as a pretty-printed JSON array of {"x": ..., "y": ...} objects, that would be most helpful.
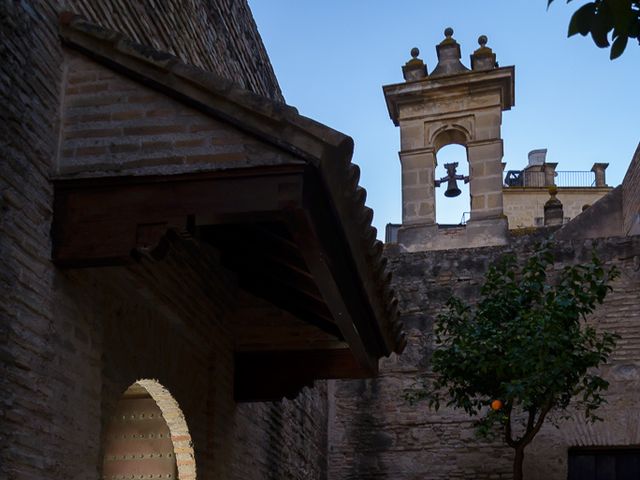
[
  {"x": 535, "y": 174},
  {"x": 537, "y": 157},
  {"x": 598, "y": 169},
  {"x": 553, "y": 211}
]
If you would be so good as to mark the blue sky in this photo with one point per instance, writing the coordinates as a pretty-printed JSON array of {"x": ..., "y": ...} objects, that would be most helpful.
[{"x": 332, "y": 58}]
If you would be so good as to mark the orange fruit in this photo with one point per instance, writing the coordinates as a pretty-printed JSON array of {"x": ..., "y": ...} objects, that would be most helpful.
[{"x": 496, "y": 405}]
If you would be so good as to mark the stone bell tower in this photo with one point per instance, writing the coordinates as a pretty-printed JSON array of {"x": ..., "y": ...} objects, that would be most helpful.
[{"x": 451, "y": 105}]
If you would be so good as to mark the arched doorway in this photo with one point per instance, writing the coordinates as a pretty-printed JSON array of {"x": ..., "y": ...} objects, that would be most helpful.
[{"x": 147, "y": 437}]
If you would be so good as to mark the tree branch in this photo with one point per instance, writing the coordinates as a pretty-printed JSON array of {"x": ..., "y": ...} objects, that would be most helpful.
[
  {"x": 538, "y": 424},
  {"x": 507, "y": 429},
  {"x": 532, "y": 416}
]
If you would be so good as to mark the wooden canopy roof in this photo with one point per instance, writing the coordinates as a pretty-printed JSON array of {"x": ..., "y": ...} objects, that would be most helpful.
[{"x": 297, "y": 234}]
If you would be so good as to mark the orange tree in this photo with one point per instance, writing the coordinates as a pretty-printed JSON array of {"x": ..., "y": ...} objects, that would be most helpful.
[{"x": 525, "y": 344}]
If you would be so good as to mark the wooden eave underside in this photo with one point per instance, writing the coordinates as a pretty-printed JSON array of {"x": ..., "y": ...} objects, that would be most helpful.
[{"x": 271, "y": 225}]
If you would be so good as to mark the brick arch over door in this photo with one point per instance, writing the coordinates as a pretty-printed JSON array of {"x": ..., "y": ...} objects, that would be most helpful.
[{"x": 147, "y": 437}]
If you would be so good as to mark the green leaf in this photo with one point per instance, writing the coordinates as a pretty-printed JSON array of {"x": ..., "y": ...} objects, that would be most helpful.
[
  {"x": 618, "y": 46},
  {"x": 601, "y": 24},
  {"x": 634, "y": 27},
  {"x": 621, "y": 13},
  {"x": 581, "y": 19}
]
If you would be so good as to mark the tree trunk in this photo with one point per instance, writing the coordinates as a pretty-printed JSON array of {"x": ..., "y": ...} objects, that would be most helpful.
[{"x": 517, "y": 464}]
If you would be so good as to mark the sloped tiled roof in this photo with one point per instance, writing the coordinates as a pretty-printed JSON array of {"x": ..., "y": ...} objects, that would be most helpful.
[{"x": 276, "y": 123}]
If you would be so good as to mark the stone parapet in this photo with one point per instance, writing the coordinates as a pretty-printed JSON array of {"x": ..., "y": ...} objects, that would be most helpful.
[{"x": 476, "y": 233}]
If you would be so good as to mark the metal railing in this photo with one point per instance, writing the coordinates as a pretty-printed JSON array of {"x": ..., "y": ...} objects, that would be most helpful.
[
  {"x": 524, "y": 178},
  {"x": 575, "y": 179}
]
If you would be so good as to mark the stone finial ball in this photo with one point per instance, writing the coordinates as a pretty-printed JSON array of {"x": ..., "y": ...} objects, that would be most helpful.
[
  {"x": 415, "y": 52},
  {"x": 448, "y": 32},
  {"x": 482, "y": 40}
]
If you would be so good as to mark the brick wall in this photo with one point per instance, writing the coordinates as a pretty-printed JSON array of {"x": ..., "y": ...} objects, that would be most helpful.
[
  {"x": 29, "y": 337},
  {"x": 375, "y": 434},
  {"x": 284, "y": 440},
  {"x": 112, "y": 124},
  {"x": 119, "y": 325},
  {"x": 219, "y": 36},
  {"x": 631, "y": 196},
  {"x": 71, "y": 342}
]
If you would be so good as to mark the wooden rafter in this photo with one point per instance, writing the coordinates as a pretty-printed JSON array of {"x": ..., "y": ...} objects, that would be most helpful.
[{"x": 272, "y": 226}]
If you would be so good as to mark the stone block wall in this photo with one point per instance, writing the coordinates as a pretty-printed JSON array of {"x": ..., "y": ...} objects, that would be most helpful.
[
  {"x": 523, "y": 205},
  {"x": 436, "y": 112},
  {"x": 376, "y": 434}
]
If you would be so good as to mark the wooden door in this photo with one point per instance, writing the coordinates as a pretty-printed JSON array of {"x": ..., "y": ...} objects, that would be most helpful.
[
  {"x": 604, "y": 464},
  {"x": 138, "y": 442}
]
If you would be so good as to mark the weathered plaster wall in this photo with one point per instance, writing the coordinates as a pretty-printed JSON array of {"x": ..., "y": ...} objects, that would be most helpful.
[
  {"x": 375, "y": 434},
  {"x": 71, "y": 342},
  {"x": 523, "y": 205}
]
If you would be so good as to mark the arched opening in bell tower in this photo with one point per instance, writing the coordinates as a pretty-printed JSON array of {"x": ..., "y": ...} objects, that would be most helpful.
[
  {"x": 451, "y": 175},
  {"x": 452, "y": 208}
]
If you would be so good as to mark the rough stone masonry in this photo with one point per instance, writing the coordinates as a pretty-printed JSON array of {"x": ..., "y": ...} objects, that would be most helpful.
[{"x": 377, "y": 434}]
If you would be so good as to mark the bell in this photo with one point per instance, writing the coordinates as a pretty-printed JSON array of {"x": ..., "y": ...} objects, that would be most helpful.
[
  {"x": 452, "y": 188},
  {"x": 452, "y": 180}
]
